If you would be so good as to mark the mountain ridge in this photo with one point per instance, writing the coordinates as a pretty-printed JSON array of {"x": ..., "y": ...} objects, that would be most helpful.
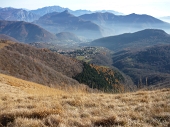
[
  {"x": 136, "y": 40},
  {"x": 118, "y": 24},
  {"x": 149, "y": 66},
  {"x": 37, "y": 65},
  {"x": 6, "y": 37},
  {"x": 60, "y": 22},
  {"x": 13, "y": 14},
  {"x": 50, "y": 9},
  {"x": 26, "y": 32}
]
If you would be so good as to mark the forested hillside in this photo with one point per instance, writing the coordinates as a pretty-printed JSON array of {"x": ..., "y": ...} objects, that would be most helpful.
[
  {"x": 52, "y": 69},
  {"x": 146, "y": 67},
  {"x": 102, "y": 78},
  {"x": 37, "y": 65}
]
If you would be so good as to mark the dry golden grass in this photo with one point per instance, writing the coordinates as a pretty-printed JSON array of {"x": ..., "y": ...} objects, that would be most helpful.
[
  {"x": 5, "y": 43},
  {"x": 27, "y": 104}
]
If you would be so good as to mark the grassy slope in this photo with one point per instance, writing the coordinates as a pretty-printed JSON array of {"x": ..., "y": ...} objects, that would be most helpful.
[
  {"x": 28, "y": 104},
  {"x": 37, "y": 65}
]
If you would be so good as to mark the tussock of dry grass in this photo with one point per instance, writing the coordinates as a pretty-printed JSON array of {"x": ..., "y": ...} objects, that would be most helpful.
[
  {"x": 27, "y": 104},
  {"x": 4, "y": 43}
]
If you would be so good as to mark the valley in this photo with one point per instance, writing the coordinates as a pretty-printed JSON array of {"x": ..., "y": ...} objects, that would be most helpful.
[{"x": 61, "y": 67}]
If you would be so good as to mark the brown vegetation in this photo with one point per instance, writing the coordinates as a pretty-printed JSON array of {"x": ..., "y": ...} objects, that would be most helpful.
[
  {"x": 37, "y": 65},
  {"x": 147, "y": 67},
  {"x": 25, "y": 104}
]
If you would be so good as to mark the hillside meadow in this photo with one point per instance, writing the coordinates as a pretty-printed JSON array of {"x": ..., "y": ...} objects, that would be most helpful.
[{"x": 27, "y": 104}]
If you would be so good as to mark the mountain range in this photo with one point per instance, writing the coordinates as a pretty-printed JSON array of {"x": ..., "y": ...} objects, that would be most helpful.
[
  {"x": 25, "y": 32},
  {"x": 109, "y": 18},
  {"x": 13, "y": 14},
  {"x": 50, "y": 9},
  {"x": 88, "y": 24},
  {"x": 143, "y": 55},
  {"x": 61, "y": 22},
  {"x": 50, "y": 87},
  {"x": 54, "y": 29},
  {"x": 133, "y": 41},
  {"x": 117, "y": 24}
]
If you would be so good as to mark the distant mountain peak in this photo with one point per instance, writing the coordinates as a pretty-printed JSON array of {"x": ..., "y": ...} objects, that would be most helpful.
[
  {"x": 110, "y": 11},
  {"x": 64, "y": 21},
  {"x": 13, "y": 14},
  {"x": 25, "y": 32},
  {"x": 49, "y": 9},
  {"x": 133, "y": 14},
  {"x": 66, "y": 11}
]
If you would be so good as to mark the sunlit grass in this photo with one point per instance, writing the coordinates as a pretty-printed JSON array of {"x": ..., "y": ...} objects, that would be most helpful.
[{"x": 25, "y": 104}]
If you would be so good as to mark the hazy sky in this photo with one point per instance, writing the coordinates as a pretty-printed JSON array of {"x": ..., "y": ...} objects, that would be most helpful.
[{"x": 155, "y": 8}]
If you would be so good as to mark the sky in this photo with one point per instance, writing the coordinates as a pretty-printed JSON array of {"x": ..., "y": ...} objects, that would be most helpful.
[{"x": 156, "y": 8}]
